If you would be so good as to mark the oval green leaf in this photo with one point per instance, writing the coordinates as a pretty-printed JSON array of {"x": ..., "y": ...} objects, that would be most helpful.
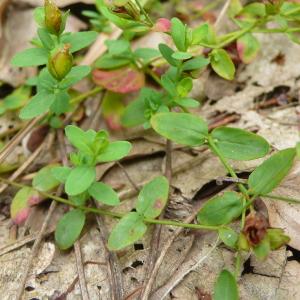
[
  {"x": 271, "y": 172},
  {"x": 130, "y": 229},
  {"x": 238, "y": 144},
  {"x": 222, "y": 64},
  {"x": 221, "y": 210},
  {"x": 226, "y": 287},
  {"x": 228, "y": 236},
  {"x": 114, "y": 151},
  {"x": 79, "y": 180},
  {"x": 69, "y": 228},
  {"x": 30, "y": 57},
  {"x": 153, "y": 197},
  {"x": 182, "y": 128},
  {"x": 61, "y": 173},
  {"x": 44, "y": 180},
  {"x": 104, "y": 193}
]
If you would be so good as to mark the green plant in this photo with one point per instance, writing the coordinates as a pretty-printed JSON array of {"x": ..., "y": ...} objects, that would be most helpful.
[
  {"x": 54, "y": 48},
  {"x": 165, "y": 111}
]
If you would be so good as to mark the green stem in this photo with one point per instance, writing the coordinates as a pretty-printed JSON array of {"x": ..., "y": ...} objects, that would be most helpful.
[
  {"x": 144, "y": 12},
  {"x": 233, "y": 175},
  {"x": 282, "y": 198},
  {"x": 226, "y": 164},
  {"x": 111, "y": 213},
  {"x": 238, "y": 265},
  {"x": 82, "y": 97}
]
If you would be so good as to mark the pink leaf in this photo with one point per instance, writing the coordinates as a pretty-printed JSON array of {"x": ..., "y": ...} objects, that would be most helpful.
[
  {"x": 124, "y": 80},
  {"x": 21, "y": 216},
  {"x": 162, "y": 25}
]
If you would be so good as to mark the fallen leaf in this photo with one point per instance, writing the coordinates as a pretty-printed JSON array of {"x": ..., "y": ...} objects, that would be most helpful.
[{"x": 124, "y": 80}]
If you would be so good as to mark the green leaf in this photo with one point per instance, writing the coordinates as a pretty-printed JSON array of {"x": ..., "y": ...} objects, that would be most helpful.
[
  {"x": 104, "y": 193},
  {"x": 184, "y": 86},
  {"x": 61, "y": 103},
  {"x": 167, "y": 53},
  {"x": 153, "y": 197},
  {"x": 46, "y": 38},
  {"x": 39, "y": 16},
  {"x": 61, "y": 173},
  {"x": 238, "y": 144},
  {"x": 79, "y": 139},
  {"x": 271, "y": 172},
  {"x": 196, "y": 63},
  {"x": 263, "y": 249},
  {"x": 168, "y": 84},
  {"x": 107, "y": 62},
  {"x": 130, "y": 229},
  {"x": 178, "y": 33},
  {"x": 226, "y": 287},
  {"x": 118, "y": 47},
  {"x": 221, "y": 210},
  {"x": 79, "y": 40},
  {"x": 222, "y": 64},
  {"x": 38, "y": 105},
  {"x": 79, "y": 180},
  {"x": 134, "y": 114},
  {"x": 30, "y": 57},
  {"x": 228, "y": 236},
  {"x": 44, "y": 180},
  {"x": 69, "y": 228},
  {"x": 247, "y": 47},
  {"x": 18, "y": 98},
  {"x": 181, "y": 55},
  {"x": 182, "y": 128},
  {"x": 146, "y": 54},
  {"x": 19, "y": 208},
  {"x": 187, "y": 102},
  {"x": 204, "y": 34},
  {"x": 114, "y": 151},
  {"x": 75, "y": 75}
]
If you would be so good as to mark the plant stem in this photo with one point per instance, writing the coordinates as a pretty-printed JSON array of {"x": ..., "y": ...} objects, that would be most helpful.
[
  {"x": 282, "y": 198},
  {"x": 226, "y": 164},
  {"x": 144, "y": 12},
  {"x": 111, "y": 213},
  {"x": 80, "y": 98}
]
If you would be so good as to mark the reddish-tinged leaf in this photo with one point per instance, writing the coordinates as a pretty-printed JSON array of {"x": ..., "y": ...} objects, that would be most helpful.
[
  {"x": 162, "y": 25},
  {"x": 247, "y": 47},
  {"x": 21, "y": 216},
  {"x": 20, "y": 206},
  {"x": 124, "y": 80}
]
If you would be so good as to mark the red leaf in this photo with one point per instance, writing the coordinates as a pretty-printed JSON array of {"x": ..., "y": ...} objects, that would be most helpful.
[
  {"x": 124, "y": 80},
  {"x": 21, "y": 216}
]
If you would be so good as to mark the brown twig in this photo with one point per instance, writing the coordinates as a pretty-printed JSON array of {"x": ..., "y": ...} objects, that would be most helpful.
[
  {"x": 28, "y": 161},
  {"x": 134, "y": 185},
  {"x": 18, "y": 137},
  {"x": 23, "y": 241},
  {"x": 36, "y": 246},
  {"x": 113, "y": 268}
]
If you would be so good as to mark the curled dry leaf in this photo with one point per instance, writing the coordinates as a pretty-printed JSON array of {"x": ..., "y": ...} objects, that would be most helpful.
[{"x": 124, "y": 80}]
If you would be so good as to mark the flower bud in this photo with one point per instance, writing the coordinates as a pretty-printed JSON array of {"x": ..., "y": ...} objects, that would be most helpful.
[
  {"x": 277, "y": 238},
  {"x": 162, "y": 25},
  {"x": 53, "y": 17},
  {"x": 60, "y": 64},
  {"x": 126, "y": 8},
  {"x": 243, "y": 243}
]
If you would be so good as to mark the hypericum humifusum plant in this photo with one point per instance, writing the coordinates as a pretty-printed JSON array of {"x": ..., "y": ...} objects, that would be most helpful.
[
  {"x": 53, "y": 48},
  {"x": 166, "y": 111}
]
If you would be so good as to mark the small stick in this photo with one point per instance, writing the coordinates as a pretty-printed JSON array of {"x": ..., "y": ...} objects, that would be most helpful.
[
  {"x": 18, "y": 137},
  {"x": 36, "y": 246},
  {"x": 21, "y": 242},
  {"x": 28, "y": 162},
  {"x": 134, "y": 185}
]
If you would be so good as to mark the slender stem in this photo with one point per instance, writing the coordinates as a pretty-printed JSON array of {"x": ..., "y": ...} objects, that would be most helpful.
[
  {"x": 144, "y": 12},
  {"x": 226, "y": 164},
  {"x": 111, "y": 213},
  {"x": 282, "y": 198},
  {"x": 238, "y": 264},
  {"x": 80, "y": 98}
]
